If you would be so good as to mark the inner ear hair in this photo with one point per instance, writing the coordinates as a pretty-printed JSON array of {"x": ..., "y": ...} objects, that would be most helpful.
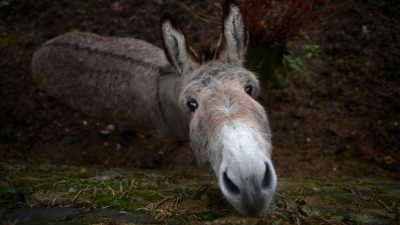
[
  {"x": 233, "y": 41},
  {"x": 176, "y": 47}
]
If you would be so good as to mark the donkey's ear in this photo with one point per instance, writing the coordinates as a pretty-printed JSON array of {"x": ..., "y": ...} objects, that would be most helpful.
[
  {"x": 176, "y": 47},
  {"x": 233, "y": 42}
]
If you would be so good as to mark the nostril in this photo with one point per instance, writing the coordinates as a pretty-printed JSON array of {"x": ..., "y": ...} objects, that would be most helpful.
[
  {"x": 267, "y": 178},
  {"x": 230, "y": 186}
]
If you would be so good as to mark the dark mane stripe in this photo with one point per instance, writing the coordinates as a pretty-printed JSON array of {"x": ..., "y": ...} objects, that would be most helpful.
[{"x": 109, "y": 54}]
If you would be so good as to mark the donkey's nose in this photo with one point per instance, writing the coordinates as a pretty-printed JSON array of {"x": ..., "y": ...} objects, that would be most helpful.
[
  {"x": 266, "y": 183},
  {"x": 229, "y": 185},
  {"x": 269, "y": 179},
  {"x": 249, "y": 188}
]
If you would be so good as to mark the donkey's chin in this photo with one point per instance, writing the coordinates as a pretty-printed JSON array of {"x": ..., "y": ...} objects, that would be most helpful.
[{"x": 249, "y": 194}]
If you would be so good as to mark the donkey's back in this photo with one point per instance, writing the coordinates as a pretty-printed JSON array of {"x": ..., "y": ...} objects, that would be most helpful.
[{"x": 122, "y": 81}]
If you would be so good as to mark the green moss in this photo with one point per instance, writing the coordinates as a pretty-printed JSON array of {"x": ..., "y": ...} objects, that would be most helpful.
[
  {"x": 4, "y": 41},
  {"x": 148, "y": 196},
  {"x": 110, "y": 201},
  {"x": 209, "y": 216},
  {"x": 44, "y": 183},
  {"x": 178, "y": 190},
  {"x": 82, "y": 175},
  {"x": 135, "y": 207},
  {"x": 347, "y": 218},
  {"x": 11, "y": 197},
  {"x": 109, "y": 182}
]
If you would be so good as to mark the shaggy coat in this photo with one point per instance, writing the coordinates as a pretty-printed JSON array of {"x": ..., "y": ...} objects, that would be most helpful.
[{"x": 176, "y": 96}]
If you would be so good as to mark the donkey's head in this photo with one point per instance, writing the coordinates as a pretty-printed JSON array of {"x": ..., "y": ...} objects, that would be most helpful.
[{"x": 229, "y": 130}]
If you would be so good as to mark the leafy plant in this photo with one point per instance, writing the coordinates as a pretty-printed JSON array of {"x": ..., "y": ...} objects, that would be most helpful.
[
  {"x": 293, "y": 64},
  {"x": 69, "y": 183},
  {"x": 209, "y": 216},
  {"x": 11, "y": 197},
  {"x": 109, "y": 182},
  {"x": 114, "y": 202},
  {"x": 271, "y": 84},
  {"x": 312, "y": 50}
]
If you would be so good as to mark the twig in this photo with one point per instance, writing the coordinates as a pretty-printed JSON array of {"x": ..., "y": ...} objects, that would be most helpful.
[
  {"x": 216, "y": 7},
  {"x": 331, "y": 221},
  {"x": 59, "y": 182},
  {"x": 130, "y": 188},
  {"x": 86, "y": 189},
  {"x": 207, "y": 19},
  {"x": 41, "y": 184},
  {"x": 112, "y": 191},
  {"x": 54, "y": 201},
  {"x": 161, "y": 202}
]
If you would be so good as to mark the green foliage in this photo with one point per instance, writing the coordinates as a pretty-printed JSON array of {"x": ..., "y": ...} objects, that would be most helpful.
[
  {"x": 209, "y": 216},
  {"x": 114, "y": 202},
  {"x": 304, "y": 36},
  {"x": 135, "y": 207},
  {"x": 293, "y": 64},
  {"x": 4, "y": 41},
  {"x": 109, "y": 182},
  {"x": 12, "y": 196},
  {"x": 271, "y": 84},
  {"x": 69, "y": 183},
  {"x": 74, "y": 175},
  {"x": 312, "y": 50}
]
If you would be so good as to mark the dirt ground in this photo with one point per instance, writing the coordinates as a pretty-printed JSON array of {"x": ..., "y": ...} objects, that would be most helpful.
[{"x": 338, "y": 117}]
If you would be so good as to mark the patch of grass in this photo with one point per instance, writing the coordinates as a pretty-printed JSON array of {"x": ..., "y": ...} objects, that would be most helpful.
[
  {"x": 293, "y": 64},
  {"x": 209, "y": 216},
  {"x": 135, "y": 207},
  {"x": 12, "y": 197},
  {"x": 4, "y": 41},
  {"x": 147, "y": 195},
  {"x": 109, "y": 182},
  {"x": 178, "y": 190},
  {"x": 111, "y": 202},
  {"x": 313, "y": 51},
  {"x": 82, "y": 175}
]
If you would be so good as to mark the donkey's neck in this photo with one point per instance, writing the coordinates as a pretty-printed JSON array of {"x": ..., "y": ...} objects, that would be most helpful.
[{"x": 170, "y": 85}]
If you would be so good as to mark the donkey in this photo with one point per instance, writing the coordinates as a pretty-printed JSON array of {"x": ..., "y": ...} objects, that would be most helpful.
[{"x": 208, "y": 98}]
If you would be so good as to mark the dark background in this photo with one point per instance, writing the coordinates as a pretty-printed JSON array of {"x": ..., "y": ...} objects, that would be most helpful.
[{"x": 338, "y": 117}]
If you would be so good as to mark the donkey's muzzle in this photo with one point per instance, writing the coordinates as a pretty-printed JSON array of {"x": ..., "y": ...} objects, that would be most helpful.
[{"x": 249, "y": 193}]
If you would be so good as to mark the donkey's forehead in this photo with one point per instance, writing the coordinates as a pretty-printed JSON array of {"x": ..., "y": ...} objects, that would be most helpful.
[{"x": 214, "y": 71}]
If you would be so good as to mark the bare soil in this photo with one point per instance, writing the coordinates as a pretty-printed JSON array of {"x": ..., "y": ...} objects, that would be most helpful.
[{"x": 338, "y": 117}]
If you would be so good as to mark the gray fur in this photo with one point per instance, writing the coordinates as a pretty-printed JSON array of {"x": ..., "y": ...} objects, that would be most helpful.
[
  {"x": 129, "y": 83},
  {"x": 110, "y": 79}
]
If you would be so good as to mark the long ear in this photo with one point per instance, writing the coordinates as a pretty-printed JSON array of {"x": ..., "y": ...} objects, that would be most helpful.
[
  {"x": 176, "y": 46},
  {"x": 233, "y": 42}
]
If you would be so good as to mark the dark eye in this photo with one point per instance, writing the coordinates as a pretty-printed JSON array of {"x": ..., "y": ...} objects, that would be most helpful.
[
  {"x": 248, "y": 89},
  {"x": 192, "y": 105}
]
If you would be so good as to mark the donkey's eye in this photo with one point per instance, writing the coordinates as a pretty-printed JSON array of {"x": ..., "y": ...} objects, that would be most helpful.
[
  {"x": 192, "y": 105},
  {"x": 248, "y": 89}
]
